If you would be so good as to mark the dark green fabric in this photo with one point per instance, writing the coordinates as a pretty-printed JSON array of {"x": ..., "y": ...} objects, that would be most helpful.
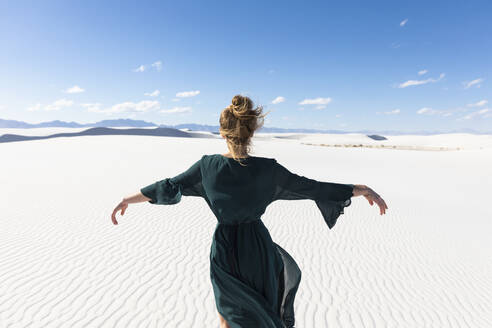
[{"x": 254, "y": 280}]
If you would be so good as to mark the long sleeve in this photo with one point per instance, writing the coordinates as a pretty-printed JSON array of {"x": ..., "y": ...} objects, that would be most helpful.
[
  {"x": 170, "y": 190},
  {"x": 331, "y": 198}
]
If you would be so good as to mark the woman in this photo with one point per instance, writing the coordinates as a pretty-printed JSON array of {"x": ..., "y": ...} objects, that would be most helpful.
[{"x": 254, "y": 280}]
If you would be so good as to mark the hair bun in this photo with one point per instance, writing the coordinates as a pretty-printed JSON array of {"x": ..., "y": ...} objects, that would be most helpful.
[
  {"x": 238, "y": 122},
  {"x": 237, "y": 100},
  {"x": 241, "y": 107}
]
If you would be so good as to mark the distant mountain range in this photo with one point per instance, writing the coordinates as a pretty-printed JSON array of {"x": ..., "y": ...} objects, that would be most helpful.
[{"x": 210, "y": 128}]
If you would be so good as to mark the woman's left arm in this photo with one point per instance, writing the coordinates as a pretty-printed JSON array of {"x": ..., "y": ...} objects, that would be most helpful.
[{"x": 137, "y": 198}]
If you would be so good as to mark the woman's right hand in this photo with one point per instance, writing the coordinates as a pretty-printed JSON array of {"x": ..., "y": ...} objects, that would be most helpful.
[
  {"x": 371, "y": 196},
  {"x": 122, "y": 206}
]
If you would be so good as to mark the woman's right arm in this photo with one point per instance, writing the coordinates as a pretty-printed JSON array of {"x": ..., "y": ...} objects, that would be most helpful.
[
  {"x": 123, "y": 205},
  {"x": 371, "y": 196}
]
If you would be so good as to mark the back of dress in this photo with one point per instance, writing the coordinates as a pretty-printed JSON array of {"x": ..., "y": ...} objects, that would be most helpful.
[{"x": 237, "y": 193}]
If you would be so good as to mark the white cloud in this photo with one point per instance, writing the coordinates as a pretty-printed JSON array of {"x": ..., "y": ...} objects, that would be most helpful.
[
  {"x": 126, "y": 107},
  {"x": 320, "y": 107},
  {"x": 157, "y": 65},
  {"x": 473, "y": 83},
  {"x": 175, "y": 99},
  {"x": 56, "y": 105},
  {"x": 176, "y": 110},
  {"x": 422, "y": 72},
  {"x": 154, "y": 93},
  {"x": 34, "y": 108},
  {"x": 403, "y": 22},
  {"x": 391, "y": 112},
  {"x": 479, "y": 104},
  {"x": 74, "y": 89},
  {"x": 338, "y": 115},
  {"x": 59, "y": 104},
  {"x": 278, "y": 100},
  {"x": 426, "y": 110},
  {"x": 316, "y": 101},
  {"x": 431, "y": 111},
  {"x": 186, "y": 94},
  {"x": 420, "y": 82},
  {"x": 482, "y": 113},
  {"x": 94, "y": 107}
]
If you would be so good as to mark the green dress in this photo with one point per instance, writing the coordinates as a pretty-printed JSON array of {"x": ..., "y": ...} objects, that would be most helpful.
[{"x": 254, "y": 280}]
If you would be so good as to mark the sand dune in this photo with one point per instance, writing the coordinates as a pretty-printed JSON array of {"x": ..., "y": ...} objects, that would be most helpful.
[
  {"x": 426, "y": 263},
  {"x": 98, "y": 131}
]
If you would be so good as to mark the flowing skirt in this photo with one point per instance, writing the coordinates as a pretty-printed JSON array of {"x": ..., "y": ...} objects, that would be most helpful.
[{"x": 254, "y": 279}]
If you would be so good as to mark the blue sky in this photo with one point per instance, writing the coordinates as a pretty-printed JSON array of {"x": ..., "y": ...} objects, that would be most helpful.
[{"x": 399, "y": 65}]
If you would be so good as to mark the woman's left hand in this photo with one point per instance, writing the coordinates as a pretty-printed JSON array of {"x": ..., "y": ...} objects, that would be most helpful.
[{"x": 121, "y": 206}]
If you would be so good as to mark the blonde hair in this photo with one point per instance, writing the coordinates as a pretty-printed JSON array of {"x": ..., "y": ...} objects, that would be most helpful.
[{"x": 238, "y": 122}]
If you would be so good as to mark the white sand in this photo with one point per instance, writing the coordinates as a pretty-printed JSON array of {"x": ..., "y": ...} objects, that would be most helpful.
[
  {"x": 448, "y": 140},
  {"x": 426, "y": 263}
]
